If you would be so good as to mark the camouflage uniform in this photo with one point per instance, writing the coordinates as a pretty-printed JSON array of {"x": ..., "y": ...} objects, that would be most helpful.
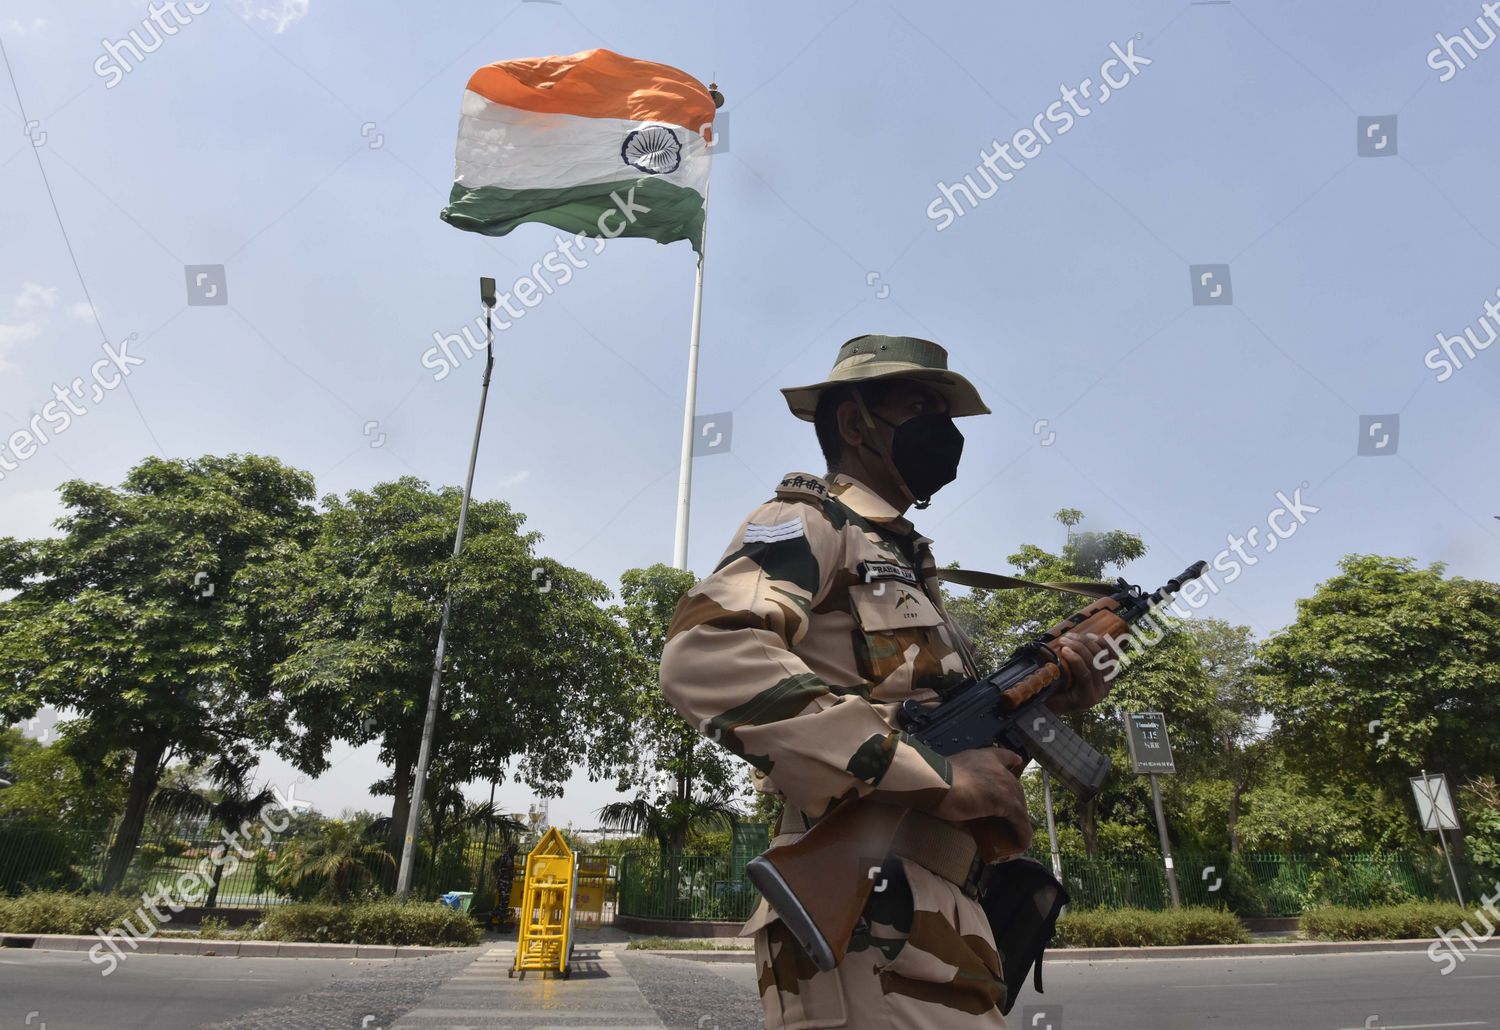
[{"x": 795, "y": 654}]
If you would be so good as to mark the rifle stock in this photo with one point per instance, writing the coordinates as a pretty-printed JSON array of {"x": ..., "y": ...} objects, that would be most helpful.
[{"x": 819, "y": 883}]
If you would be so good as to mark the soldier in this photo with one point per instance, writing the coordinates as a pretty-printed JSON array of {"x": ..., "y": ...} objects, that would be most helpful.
[{"x": 796, "y": 652}]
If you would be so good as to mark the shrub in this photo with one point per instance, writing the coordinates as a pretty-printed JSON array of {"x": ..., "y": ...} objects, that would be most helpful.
[
  {"x": 1358, "y": 885},
  {"x": 686, "y": 944},
  {"x": 1386, "y": 923},
  {"x": 1140, "y": 928},
  {"x": 149, "y": 856},
  {"x": 39, "y": 858},
  {"x": 308, "y": 921},
  {"x": 56, "y": 912},
  {"x": 374, "y": 922},
  {"x": 429, "y": 923},
  {"x": 216, "y": 929}
]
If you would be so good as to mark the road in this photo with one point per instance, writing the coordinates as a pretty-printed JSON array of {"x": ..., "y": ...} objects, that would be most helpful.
[
  {"x": 612, "y": 987},
  {"x": 172, "y": 992}
]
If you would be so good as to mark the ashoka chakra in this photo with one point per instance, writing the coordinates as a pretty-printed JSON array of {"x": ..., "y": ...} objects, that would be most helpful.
[{"x": 655, "y": 150}]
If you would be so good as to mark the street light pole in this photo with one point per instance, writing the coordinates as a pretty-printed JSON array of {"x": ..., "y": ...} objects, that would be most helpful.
[
  {"x": 434, "y": 693},
  {"x": 1051, "y": 824},
  {"x": 1166, "y": 845}
]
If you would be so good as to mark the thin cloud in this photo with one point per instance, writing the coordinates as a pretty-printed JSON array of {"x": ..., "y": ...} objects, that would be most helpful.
[
  {"x": 13, "y": 333},
  {"x": 17, "y": 27},
  {"x": 23, "y": 327},
  {"x": 34, "y": 295},
  {"x": 280, "y": 13}
]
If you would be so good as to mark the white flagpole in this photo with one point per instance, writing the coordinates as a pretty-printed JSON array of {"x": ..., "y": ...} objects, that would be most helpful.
[{"x": 690, "y": 408}]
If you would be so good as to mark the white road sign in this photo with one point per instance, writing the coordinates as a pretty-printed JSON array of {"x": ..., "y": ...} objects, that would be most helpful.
[{"x": 1434, "y": 803}]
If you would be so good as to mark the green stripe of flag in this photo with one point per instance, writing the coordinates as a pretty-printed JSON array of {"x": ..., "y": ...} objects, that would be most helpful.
[{"x": 656, "y": 210}]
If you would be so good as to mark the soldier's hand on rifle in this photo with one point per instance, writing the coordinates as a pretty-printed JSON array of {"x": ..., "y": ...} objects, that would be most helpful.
[
  {"x": 1087, "y": 684},
  {"x": 985, "y": 784}
]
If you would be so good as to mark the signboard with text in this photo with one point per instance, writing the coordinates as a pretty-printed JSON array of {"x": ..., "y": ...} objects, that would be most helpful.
[{"x": 1146, "y": 736}]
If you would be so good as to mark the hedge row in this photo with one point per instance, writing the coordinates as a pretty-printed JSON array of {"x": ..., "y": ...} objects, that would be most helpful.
[
  {"x": 56, "y": 912},
  {"x": 1141, "y": 928},
  {"x": 1415, "y": 920},
  {"x": 375, "y": 922}
]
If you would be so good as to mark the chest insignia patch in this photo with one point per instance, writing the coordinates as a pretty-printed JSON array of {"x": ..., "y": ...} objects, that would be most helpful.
[{"x": 870, "y": 571}]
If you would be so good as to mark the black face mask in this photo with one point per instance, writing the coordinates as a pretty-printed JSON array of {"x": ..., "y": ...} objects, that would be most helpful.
[{"x": 925, "y": 451}]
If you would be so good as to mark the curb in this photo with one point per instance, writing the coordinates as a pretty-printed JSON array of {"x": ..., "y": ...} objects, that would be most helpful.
[
  {"x": 1167, "y": 952},
  {"x": 223, "y": 949}
]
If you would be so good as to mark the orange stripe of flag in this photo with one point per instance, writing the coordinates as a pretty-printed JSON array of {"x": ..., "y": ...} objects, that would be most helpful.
[{"x": 597, "y": 84}]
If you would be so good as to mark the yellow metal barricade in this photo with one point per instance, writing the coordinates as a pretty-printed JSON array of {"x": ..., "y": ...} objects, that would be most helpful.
[
  {"x": 547, "y": 894},
  {"x": 592, "y": 885}
]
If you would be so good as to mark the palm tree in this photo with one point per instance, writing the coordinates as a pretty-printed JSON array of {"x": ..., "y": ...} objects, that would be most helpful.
[
  {"x": 236, "y": 804},
  {"x": 669, "y": 820},
  {"x": 339, "y": 857}
]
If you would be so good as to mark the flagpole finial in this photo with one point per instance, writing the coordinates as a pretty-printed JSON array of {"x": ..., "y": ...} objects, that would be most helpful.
[{"x": 718, "y": 99}]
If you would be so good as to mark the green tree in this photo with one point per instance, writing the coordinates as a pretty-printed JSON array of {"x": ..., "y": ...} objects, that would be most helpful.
[
  {"x": 48, "y": 787},
  {"x": 134, "y": 618},
  {"x": 1236, "y": 747},
  {"x": 1388, "y": 668},
  {"x": 535, "y": 660},
  {"x": 1479, "y": 808},
  {"x": 1286, "y": 811},
  {"x": 682, "y": 780}
]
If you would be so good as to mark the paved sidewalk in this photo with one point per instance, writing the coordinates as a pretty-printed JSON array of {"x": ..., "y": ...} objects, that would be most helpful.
[
  {"x": 221, "y": 949},
  {"x": 1157, "y": 952},
  {"x": 599, "y": 994}
]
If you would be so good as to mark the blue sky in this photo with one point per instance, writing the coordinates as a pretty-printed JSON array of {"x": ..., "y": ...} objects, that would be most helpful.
[{"x": 307, "y": 146}]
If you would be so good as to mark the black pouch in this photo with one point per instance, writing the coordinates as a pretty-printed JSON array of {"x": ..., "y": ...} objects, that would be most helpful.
[{"x": 1022, "y": 900}]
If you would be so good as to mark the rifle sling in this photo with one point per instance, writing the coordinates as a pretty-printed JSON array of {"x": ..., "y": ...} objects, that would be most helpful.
[{"x": 996, "y": 581}]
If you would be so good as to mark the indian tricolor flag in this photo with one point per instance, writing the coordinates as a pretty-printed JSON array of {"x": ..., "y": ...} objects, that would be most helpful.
[{"x": 594, "y": 143}]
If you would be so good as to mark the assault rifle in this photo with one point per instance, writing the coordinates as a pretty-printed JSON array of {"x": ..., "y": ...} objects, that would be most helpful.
[{"x": 819, "y": 883}]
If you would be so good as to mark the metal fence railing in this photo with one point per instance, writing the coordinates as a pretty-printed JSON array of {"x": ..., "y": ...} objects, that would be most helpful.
[
  {"x": 1262, "y": 884},
  {"x": 693, "y": 887},
  {"x": 713, "y": 887},
  {"x": 704, "y": 887},
  {"x": 52, "y": 858}
]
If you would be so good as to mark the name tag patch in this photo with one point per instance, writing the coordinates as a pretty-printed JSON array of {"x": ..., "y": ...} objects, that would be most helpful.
[
  {"x": 758, "y": 533},
  {"x": 870, "y": 571}
]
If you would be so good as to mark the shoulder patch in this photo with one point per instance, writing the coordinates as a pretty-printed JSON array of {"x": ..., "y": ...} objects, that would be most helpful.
[
  {"x": 761, "y": 533},
  {"x": 802, "y": 486}
]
